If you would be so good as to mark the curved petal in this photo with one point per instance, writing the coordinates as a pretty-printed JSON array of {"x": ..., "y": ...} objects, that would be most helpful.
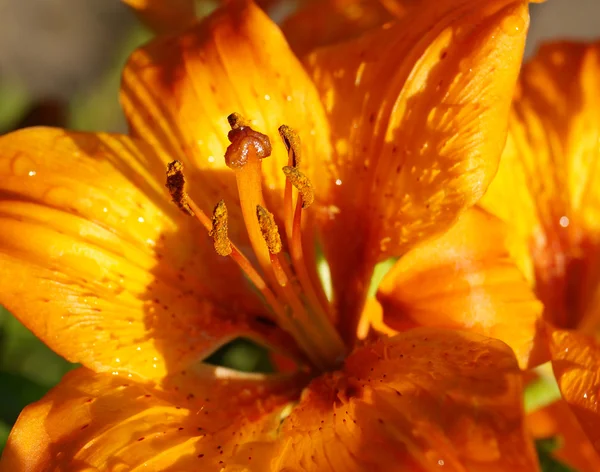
[
  {"x": 103, "y": 422},
  {"x": 178, "y": 91},
  {"x": 576, "y": 364},
  {"x": 548, "y": 180},
  {"x": 575, "y": 450},
  {"x": 417, "y": 139},
  {"x": 100, "y": 265},
  {"x": 402, "y": 7},
  {"x": 164, "y": 15},
  {"x": 466, "y": 279},
  {"x": 318, "y": 23},
  {"x": 420, "y": 400}
]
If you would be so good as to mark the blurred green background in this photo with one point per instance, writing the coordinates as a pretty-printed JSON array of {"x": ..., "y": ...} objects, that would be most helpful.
[{"x": 60, "y": 63}]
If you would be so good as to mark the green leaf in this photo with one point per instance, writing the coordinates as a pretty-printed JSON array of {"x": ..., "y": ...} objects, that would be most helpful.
[
  {"x": 379, "y": 272},
  {"x": 14, "y": 100},
  {"x": 4, "y": 432},
  {"x": 544, "y": 448},
  {"x": 243, "y": 355},
  {"x": 17, "y": 392},
  {"x": 543, "y": 391},
  {"x": 24, "y": 354}
]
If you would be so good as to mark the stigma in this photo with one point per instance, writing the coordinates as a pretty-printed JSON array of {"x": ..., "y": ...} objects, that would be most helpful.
[{"x": 293, "y": 295}]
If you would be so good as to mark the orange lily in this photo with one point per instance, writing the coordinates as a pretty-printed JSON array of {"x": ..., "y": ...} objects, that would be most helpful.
[
  {"x": 547, "y": 191},
  {"x": 99, "y": 263}
]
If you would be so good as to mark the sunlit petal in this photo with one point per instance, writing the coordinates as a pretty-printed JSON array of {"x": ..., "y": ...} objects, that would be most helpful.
[
  {"x": 101, "y": 422},
  {"x": 576, "y": 364},
  {"x": 100, "y": 265},
  {"x": 178, "y": 91},
  {"x": 548, "y": 181},
  {"x": 418, "y": 112},
  {"x": 466, "y": 279},
  {"x": 423, "y": 400}
]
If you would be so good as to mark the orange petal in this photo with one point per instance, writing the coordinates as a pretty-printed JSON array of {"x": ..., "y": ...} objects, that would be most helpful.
[
  {"x": 323, "y": 22},
  {"x": 557, "y": 420},
  {"x": 418, "y": 112},
  {"x": 466, "y": 279},
  {"x": 576, "y": 364},
  {"x": 547, "y": 184},
  {"x": 100, "y": 265},
  {"x": 164, "y": 15},
  {"x": 178, "y": 91},
  {"x": 420, "y": 400},
  {"x": 103, "y": 422}
]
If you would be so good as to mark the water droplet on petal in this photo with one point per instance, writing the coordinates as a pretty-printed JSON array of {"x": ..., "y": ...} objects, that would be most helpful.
[
  {"x": 564, "y": 221},
  {"x": 22, "y": 166},
  {"x": 513, "y": 25}
]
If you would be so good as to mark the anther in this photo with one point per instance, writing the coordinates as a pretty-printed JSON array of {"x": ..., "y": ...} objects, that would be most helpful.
[
  {"x": 302, "y": 183},
  {"x": 176, "y": 186},
  {"x": 269, "y": 229},
  {"x": 219, "y": 230},
  {"x": 291, "y": 139},
  {"x": 244, "y": 142}
]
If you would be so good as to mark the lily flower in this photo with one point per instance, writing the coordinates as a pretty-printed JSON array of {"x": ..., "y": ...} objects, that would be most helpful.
[
  {"x": 547, "y": 190},
  {"x": 384, "y": 143}
]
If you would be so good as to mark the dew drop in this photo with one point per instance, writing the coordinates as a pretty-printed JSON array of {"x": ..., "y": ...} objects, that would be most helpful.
[
  {"x": 338, "y": 182},
  {"x": 513, "y": 25},
  {"x": 60, "y": 196},
  {"x": 22, "y": 166},
  {"x": 564, "y": 221},
  {"x": 32, "y": 173},
  {"x": 211, "y": 159},
  {"x": 267, "y": 97}
]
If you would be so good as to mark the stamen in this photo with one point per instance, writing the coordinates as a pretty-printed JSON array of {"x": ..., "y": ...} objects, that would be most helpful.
[
  {"x": 302, "y": 184},
  {"x": 176, "y": 186},
  {"x": 294, "y": 305},
  {"x": 270, "y": 233},
  {"x": 269, "y": 229},
  {"x": 291, "y": 139},
  {"x": 219, "y": 230}
]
